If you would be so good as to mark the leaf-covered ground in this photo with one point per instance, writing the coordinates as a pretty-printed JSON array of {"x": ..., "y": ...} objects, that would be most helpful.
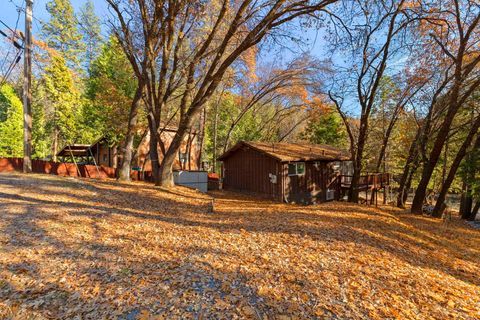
[{"x": 84, "y": 249}]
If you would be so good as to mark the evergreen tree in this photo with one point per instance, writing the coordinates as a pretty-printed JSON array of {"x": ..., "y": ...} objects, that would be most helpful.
[
  {"x": 89, "y": 24},
  {"x": 61, "y": 32},
  {"x": 109, "y": 92},
  {"x": 11, "y": 123},
  {"x": 41, "y": 137},
  {"x": 64, "y": 101},
  {"x": 326, "y": 128}
]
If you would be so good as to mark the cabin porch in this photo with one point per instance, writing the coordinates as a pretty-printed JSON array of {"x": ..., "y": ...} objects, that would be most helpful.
[{"x": 372, "y": 182}]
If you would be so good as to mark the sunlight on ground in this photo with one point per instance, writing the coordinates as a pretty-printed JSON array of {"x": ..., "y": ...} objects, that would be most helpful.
[{"x": 101, "y": 249}]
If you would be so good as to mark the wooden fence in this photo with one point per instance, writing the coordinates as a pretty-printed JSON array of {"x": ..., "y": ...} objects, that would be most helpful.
[{"x": 65, "y": 169}]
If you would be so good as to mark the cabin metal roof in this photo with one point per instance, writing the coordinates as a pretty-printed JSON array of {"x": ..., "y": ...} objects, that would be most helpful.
[{"x": 291, "y": 152}]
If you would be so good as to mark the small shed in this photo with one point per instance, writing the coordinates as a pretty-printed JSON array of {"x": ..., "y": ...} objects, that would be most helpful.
[
  {"x": 99, "y": 153},
  {"x": 78, "y": 151},
  {"x": 285, "y": 172}
]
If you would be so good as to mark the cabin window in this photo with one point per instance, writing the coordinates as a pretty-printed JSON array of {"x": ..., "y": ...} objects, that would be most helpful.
[
  {"x": 296, "y": 169},
  {"x": 182, "y": 156}
]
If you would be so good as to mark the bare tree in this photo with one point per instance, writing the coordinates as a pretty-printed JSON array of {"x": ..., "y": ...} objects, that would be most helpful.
[
  {"x": 454, "y": 29},
  {"x": 130, "y": 36},
  {"x": 196, "y": 42},
  {"x": 275, "y": 88},
  {"x": 373, "y": 32},
  {"x": 475, "y": 126},
  {"x": 426, "y": 122},
  {"x": 411, "y": 86}
]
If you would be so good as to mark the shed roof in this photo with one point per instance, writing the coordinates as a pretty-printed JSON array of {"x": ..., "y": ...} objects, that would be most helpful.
[
  {"x": 78, "y": 150},
  {"x": 286, "y": 152}
]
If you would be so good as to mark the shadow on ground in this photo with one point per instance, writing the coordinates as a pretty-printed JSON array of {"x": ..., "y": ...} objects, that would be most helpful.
[{"x": 101, "y": 249}]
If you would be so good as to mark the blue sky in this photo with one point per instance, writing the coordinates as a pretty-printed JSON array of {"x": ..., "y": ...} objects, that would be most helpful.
[{"x": 9, "y": 14}]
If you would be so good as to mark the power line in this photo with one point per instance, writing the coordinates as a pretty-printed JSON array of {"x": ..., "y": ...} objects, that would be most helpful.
[
  {"x": 22, "y": 9},
  {"x": 19, "y": 47},
  {"x": 14, "y": 33},
  {"x": 6, "y": 25},
  {"x": 12, "y": 66}
]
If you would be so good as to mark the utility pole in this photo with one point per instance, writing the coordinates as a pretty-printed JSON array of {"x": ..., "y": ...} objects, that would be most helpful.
[{"x": 27, "y": 90}]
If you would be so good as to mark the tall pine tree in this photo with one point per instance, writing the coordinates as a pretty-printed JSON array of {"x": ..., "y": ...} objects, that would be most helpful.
[
  {"x": 89, "y": 25},
  {"x": 109, "y": 91},
  {"x": 64, "y": 102},
  {"x": 61, "y": 32}
]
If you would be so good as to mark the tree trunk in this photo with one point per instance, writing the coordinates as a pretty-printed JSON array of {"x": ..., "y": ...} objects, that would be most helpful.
[
  {"x": 408, "y": 184},
  {"x": 201, "y": 137},
  {"x": 353, "y": 192},
  {"x": 445, "y": 162},
  {"x": 386, "y": 138},
  {"x": 467, "y": 196},
  {"x": 453, "y": 107},
  {"x": 55, "y": 144},
  {"x": 475, "y": 210},
  {"x": 215, "y": 135},
  {"x": 454, "y": 167},
  {"x": 115, "y": 157},
  {"x": 154, "y": 159},
  {"x": 428, "y": 168},
  {"x": 462, "y": 198},
  {"x": 467, "y": 209},
  {"x": 357, "y": 163},
  {"x": 165, "y": 174},
  {"x": 409, "y": 166},
  {"x": 127, "y": 152}
]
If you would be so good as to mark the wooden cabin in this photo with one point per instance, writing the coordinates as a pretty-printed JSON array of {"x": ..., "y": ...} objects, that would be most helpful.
[
  {"x": 101, "y": 153},
  {"x": 187, "y": 158},
  {"x": 286, "y": 172}
]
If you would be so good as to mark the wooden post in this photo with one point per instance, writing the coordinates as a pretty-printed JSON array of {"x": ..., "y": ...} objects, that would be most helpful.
[
  {"x": 94, "y": 162},
  {"x": 27, "y": 90},
  {"x": 75, "y": 162}
]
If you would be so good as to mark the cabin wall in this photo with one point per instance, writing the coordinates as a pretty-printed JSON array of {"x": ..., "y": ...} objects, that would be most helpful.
[
  {"x": 311, "y": 187},
  {"x": 306, "y": 188},
  {"x": 189, "y": 146},
  {"x": 251, "y": 171},
  {"x": 103, "y": 156}
]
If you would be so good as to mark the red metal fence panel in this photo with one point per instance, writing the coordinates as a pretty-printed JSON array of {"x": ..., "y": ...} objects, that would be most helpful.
[{"x": 62, "y": 169}]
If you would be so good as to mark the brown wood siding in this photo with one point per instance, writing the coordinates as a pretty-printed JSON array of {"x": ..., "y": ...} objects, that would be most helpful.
[
  {"x": 142, "y": 158},
  {"x": 310, "y": 187},
  {"x": 305, "y": 188},
  {"x": 103, "y": 155},
  {"x": 248, "y": 170}
]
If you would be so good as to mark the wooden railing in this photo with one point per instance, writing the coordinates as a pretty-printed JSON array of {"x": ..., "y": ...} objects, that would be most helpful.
[{"x": 375, "y": 180}]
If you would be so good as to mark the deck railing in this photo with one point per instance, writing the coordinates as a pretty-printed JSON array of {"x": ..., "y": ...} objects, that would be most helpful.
[{"x": 374, "y": 180}]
